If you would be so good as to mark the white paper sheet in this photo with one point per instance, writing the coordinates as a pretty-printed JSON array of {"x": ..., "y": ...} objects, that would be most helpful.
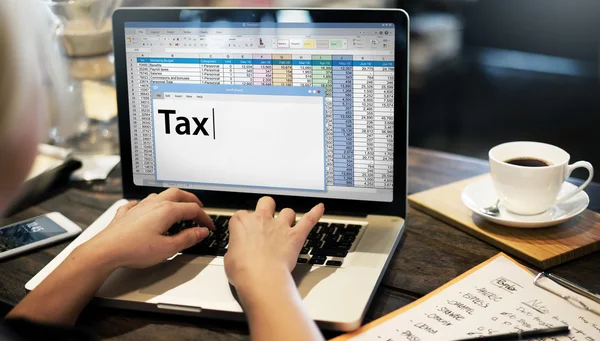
[{"x": 498, "y": 298}]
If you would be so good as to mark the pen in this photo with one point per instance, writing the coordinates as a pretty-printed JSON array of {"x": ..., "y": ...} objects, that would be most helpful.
[
  {"x": 524, "y": 335},
  {"x": 574, "y": 287}
]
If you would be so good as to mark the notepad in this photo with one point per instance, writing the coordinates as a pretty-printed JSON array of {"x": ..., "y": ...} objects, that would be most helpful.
[{"x": 496, "y": 297}]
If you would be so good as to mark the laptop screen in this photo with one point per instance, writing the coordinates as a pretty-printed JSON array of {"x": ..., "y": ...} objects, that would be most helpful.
[{"x": 301, "y": 109}]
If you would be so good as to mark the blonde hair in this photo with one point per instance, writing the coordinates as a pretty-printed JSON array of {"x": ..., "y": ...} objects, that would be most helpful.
[{"x": 20, "y": 57}]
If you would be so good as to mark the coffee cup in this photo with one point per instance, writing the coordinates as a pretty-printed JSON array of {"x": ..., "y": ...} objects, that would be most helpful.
[{"x": 528, "y": 176}]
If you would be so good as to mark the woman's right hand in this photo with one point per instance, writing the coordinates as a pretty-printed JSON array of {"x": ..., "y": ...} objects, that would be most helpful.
[{"x": 261, "y": 246}]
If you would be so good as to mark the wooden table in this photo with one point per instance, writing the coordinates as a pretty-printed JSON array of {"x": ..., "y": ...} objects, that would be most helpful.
[{"x": 430, "y": 254}]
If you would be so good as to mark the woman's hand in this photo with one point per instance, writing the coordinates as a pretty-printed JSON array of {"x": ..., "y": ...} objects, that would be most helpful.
[
  {"x": 260, "y": 245},
  {"x": 136, "y": 236},
  {"x": 262, "y": 252}
]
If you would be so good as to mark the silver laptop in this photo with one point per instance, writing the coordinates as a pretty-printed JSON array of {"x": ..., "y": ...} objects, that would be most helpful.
[{"x": 304, "y": 105}]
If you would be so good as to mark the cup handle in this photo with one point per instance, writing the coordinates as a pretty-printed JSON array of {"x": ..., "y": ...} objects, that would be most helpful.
[{"x": 570, "y": 169}]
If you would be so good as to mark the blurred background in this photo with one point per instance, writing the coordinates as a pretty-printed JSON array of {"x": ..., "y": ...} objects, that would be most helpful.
[{"x": 488, "y": 71}]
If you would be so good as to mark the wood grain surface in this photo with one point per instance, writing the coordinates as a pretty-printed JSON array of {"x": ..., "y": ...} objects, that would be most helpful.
[
  {"x": 541, "y": 247},
  {"x": 430, "y": 254}
]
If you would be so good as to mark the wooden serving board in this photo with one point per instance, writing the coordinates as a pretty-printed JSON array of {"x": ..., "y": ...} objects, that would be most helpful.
[{"x": 541, "y": 247}]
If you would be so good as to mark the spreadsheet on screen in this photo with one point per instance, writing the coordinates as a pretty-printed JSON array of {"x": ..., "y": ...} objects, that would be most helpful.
[{"x": 354, "y": 64}]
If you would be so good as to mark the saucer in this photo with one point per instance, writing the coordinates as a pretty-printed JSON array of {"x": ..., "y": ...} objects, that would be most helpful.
[{"x": 480, "y": 194}]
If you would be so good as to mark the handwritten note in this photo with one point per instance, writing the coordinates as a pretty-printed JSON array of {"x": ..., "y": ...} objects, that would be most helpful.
[{"x": 498, "y": 298}]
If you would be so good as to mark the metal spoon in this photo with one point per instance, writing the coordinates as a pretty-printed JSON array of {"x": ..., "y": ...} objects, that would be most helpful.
[{"x": 492, "y": 210}]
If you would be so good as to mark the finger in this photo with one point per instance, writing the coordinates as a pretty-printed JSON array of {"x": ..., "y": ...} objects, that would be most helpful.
[
  {"x": 288, "y": 216},
  {"x": 168, "y": 213},
  {"x": 236, "y": 223},
  {"x": 308, "y": 221},
  {"x": 177, "y": 195},
  {"x": 149, "y": 197},
  {"x": 124, "y": 209},
  {"x": 265, "y": 207},
  {"x": 238, "y": 216},
  {"x": 186, "y": 238},
  {"x": 147, "y": 200}
]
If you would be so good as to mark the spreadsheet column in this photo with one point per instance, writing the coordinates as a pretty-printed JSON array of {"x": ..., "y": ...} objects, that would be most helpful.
[
  {"x": 228, "y": 70},
  {"x": 242, "y": 67},
  {"x": 145, "y": 117},
  {"x": 343, "y": 125},
  {"x": 134, "y": 113},
  {"x": 364, "y": 116},
  {"x": 212, "y": 69},
  {"x": 282, "y": 70},
  {"x": 322, "y": 75},
  {"x": 302, "y": 70},
  {"x": 263, "y": 70},
  {"x": 384, "y": 121}
]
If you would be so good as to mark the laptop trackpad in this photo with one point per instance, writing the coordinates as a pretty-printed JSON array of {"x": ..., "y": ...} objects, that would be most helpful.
[
  {"x": 172, "y": 276},
  {"x": 306, "y": 280}
]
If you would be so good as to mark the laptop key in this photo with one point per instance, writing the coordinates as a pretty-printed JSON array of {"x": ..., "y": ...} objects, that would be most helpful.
[
  {"x": 312, "y": 243},
  {"x": 322, "y": 224},
  {"x": 334, "y": 263},
  {"x": 338, "y": 253},
  {"x": 318, "y": 260},
  {"x": 302, "y": 260},
  {"x": 344, "y": 246},
  {"x": 348, "y": 238},
  {"x": 222, "y": 222},
  {"x": 334, "y": 230},
  {"x": 353, "y": 228},
  {"x": 304, "y": 250},
  {"x": 221, "y": 251},
  {"x": 332, "y": 238},
  {"x": 329, "y": 252},
  {"x": 317, "y": 251},
  {"x": 314, "y": 236}
]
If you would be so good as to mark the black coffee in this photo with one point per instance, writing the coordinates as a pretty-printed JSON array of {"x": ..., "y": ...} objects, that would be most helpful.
[{"x": 528, "y": 162}]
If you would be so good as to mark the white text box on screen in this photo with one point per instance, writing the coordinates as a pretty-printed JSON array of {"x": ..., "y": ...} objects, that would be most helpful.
[{"x": 258, "y": 141}]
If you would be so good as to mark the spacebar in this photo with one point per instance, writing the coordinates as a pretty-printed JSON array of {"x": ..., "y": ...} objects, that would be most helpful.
[{"x": 203, "y": 251}]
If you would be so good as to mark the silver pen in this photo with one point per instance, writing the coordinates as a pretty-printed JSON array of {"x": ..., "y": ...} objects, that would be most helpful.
[{"x": 574, "y": 287}]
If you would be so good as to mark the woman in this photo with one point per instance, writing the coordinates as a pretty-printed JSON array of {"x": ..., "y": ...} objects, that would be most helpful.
[{"x": 262, "y": 250}]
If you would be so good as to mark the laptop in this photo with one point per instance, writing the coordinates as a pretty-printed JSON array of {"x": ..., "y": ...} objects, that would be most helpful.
[{"x": 304, "y": 105}]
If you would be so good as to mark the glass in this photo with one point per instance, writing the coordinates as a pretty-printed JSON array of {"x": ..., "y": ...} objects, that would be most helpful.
[{"x": 82, "y": 29}]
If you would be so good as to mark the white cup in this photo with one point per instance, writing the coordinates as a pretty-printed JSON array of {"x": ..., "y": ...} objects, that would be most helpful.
[{"x": 532, "y": 190}]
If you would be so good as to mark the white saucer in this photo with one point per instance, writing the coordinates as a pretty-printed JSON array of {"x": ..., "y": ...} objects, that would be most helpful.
[{"x": 482, "y": 194}]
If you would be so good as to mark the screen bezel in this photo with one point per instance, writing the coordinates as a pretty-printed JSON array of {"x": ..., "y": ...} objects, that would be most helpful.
[{"x": 233, "y": 200}]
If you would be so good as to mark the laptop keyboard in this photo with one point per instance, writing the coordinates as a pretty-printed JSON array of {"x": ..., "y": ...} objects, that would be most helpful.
[{"x": 326, "y": 244}]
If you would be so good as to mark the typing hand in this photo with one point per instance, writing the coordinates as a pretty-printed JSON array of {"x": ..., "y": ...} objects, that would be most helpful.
[
  {"x": 135, "y": 238},
  {"x": 261, "y": 246}
]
